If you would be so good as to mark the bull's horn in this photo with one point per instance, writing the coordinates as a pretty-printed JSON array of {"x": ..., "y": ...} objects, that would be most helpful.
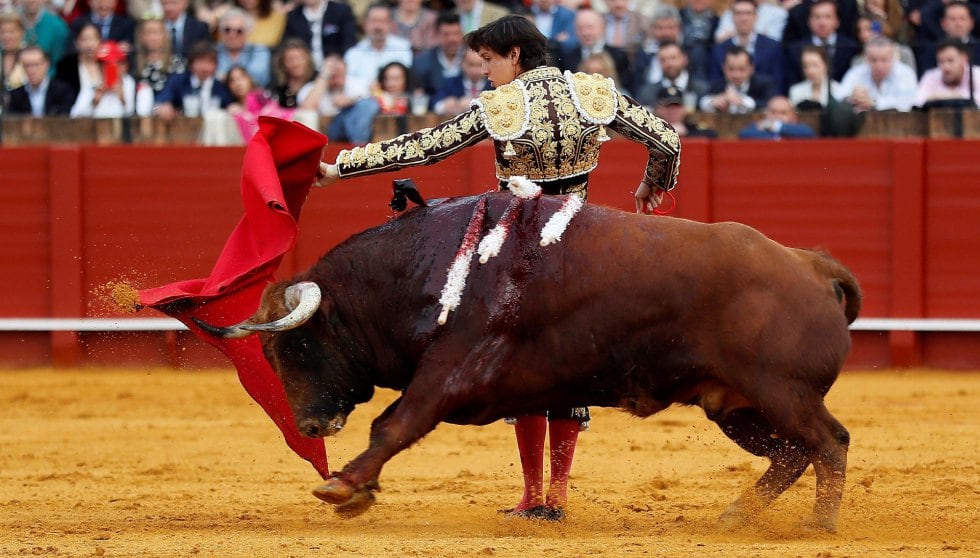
[{"x": 302, "y": 298}]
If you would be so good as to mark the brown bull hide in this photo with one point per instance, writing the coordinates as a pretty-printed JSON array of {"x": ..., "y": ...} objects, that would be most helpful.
[{"x": 626, "y": 311}]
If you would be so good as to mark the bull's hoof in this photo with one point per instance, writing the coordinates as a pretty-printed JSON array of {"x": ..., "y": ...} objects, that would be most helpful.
[
  {"x": 335, "y": 491},
  {"x": 732, "y": 520},
  {"x": 360, "y": 502},
  {"x": 819, "y": 525}
]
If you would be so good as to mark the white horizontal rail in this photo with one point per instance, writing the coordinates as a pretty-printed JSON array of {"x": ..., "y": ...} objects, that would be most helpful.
[
  {"x": 915, "y": 324},
  {"x": 170, "y": 324},
  {"x": 90, "y": 324}
]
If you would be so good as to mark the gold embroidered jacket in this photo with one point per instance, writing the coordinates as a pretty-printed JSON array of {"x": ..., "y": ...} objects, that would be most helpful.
[{"x": 546, "y": 126}]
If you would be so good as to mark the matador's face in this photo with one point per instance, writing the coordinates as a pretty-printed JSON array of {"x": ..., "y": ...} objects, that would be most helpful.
[{"x": 500, "y": 69}]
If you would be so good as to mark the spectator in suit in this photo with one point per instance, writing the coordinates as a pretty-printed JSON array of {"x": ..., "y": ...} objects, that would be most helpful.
[
  {"x": 933, "y": 12},
  {"x": 665, "y": 26},
  {"x": 771, "y": 22},
  {"x": 957, "y": 23},
  {"x": 456, "y": 93},
  {"x": 698, "y": 24},
  {"x": 590, "y": 31},
  {"x": 184, "y": 31},
  {"x": 798, "y": 19},
  {"x": 556, "y": 22},
  {"x": 153, "y": 54},
  {"x": 823, "y": 31},
  {"x": 41, "y": 95},
  {"x": 881, "y": 83},
  {"x": 325, "y": 26},
  {"x": 195, "y": 91},
  {"x": 767, "y": 54},
  {"x": 625, "y": 28},
  {"x": 416, "y": 23},
  {"x": 11, "y": 41},
  {"x": 378, "y": 47},
  {"x": 119, "y": 28},
  {"x": 81, "y": 70},
  {"x": 741, "y": 91},
  {"x": 474, "y": 14},
  {"x": 432, "y": 67},
  {"x": 673, "y": 62},
  {"x": 780, "y": 122},
  {"x": 950, "y": 80},
  {"x": 233, "y": 50},
  {"x": 818, "y": 89},
  {"x": 351, "y": 111},
  {"x": 44, "y": 28},
  {"x": 268, "y": 23},
  {"x": 670, "y": 106}
]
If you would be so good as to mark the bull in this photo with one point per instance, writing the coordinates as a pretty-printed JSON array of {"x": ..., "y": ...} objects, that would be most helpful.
[{"x": 626, "y": 311}]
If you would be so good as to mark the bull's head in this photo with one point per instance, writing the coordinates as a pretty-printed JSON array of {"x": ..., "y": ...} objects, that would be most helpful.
[{"x": 311, "y": 352}]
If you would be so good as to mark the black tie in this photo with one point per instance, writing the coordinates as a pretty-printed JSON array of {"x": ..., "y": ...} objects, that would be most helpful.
[{"x": 174, "y": 46}]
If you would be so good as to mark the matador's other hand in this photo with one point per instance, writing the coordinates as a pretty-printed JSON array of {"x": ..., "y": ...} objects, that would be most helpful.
[
  {"x": 648, "y": 198},
  {"x": 326, "y": 175}
]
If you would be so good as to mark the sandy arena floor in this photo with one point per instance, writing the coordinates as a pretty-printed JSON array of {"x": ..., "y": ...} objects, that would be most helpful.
[{"x": 165, "y": 463}]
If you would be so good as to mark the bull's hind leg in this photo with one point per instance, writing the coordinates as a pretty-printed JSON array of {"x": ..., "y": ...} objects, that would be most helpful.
[
  {"x": 811, "y": 435},
  {"x": 753, "y": 433}
]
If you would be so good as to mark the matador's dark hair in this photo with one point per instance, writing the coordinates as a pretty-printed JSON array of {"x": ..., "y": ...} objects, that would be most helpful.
[{"x": 508, "y": 32}]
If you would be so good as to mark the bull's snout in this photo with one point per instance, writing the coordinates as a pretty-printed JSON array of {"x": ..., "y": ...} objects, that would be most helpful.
[{"x": 316, "y": 427}]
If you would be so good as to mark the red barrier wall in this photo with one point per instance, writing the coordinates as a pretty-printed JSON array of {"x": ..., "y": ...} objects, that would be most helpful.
[{"x": 901, "y": 214}]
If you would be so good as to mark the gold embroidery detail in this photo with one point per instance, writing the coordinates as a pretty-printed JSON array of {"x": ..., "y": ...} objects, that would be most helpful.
[
  {"x": 505, "y": 111},
  {"x": 593, "y": 96}
]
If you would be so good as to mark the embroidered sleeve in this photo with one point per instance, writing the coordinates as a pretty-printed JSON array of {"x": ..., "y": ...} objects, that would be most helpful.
[
  {"x": 424, "y": 147},
  {"x": 635, "y": 122}
]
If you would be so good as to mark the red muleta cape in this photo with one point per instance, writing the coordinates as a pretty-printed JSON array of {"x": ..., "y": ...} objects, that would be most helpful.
[{"x": 280, "y": 163}]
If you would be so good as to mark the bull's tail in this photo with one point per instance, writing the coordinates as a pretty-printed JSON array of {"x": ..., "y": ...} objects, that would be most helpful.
[{"x": 845, "y": 284}]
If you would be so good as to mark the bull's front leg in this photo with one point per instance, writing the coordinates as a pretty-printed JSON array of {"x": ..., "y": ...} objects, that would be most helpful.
[{"x": 410, "y": 418}]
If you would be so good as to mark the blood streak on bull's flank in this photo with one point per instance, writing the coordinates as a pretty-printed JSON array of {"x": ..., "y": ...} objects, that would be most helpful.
[{"x": 489, "y": 247}]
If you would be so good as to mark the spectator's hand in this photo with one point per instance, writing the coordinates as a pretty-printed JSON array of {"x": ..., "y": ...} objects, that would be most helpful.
[
  {"x": 342, "y": 101},
  {"x": 861, "y": 99},
  {"x": 165, "y": 111},
  {"x": 648, "y": 198},
  {"x": 720, "y": 102},
  {"x": 915, "y": 18},
  {"x": 326, "y": 175}
]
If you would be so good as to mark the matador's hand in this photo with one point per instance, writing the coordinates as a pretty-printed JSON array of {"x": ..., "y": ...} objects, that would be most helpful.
[
  {"x": 648, "y": 198},
  {"x": 326, "y": 175}
]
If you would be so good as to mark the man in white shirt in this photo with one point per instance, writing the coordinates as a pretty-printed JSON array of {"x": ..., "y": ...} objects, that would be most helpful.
[
  {"x": 377, "y": 48},
  {"x": 882, "y": 82}
]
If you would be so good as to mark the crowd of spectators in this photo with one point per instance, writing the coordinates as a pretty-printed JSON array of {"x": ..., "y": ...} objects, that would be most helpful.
[{"x": 351, "y": 60}]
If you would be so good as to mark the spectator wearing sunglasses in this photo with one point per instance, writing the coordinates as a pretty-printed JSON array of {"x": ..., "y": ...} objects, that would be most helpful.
[{"x": 233, "y": 50}]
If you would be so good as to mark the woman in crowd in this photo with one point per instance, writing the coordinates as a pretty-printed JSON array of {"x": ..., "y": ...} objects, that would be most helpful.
[
  {"x": 557, "y": 148},
  {"x": 391, "y": 90},
  {"x": 115, "y": 94},
  {"x": 294, "y": 73},
  {"x": 152, "y": 54},
  {"x": 416, "y": 23},
  {"x": 817, "y": 89},
  {"x": 269, "y": 23},
  {"x": 251, "y": 102},
  {"x": 11, "y": 41},
  {"x": 81, "y": 70}
]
